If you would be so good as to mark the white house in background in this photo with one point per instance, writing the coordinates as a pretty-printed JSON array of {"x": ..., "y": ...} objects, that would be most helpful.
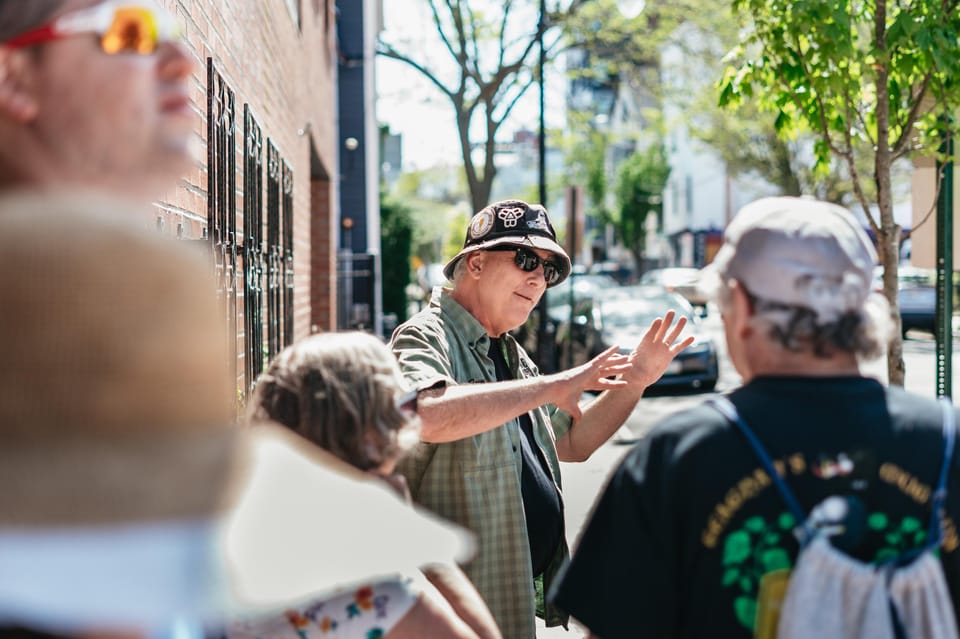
[{"x": 701, "y": 196}]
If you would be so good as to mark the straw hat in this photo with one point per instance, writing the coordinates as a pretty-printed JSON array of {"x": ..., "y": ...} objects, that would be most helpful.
[{"x": 129, "y": 494}]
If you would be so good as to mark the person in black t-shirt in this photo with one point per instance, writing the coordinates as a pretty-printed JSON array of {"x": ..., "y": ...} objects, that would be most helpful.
[{"x": 690, "y": 537}]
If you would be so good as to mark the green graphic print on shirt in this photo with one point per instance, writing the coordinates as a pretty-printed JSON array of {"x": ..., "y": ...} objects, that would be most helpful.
[{"x": 761, "y": 548}]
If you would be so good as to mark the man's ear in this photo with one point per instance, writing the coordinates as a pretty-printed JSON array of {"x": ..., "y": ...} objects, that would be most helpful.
[
  {"x": 742, "y": 308},
  {"x": 474, "y": 263},
  {"x": 17, "y": 101}
]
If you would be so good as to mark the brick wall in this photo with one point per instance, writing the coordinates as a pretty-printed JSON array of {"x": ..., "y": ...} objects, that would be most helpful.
[{"x": 285, "y": 69}]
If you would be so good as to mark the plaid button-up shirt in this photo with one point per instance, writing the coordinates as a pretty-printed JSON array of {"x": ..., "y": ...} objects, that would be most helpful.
[{"x": 475, "y": 482}]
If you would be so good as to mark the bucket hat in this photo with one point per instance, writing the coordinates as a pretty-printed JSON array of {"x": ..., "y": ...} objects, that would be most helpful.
[
  {"x": 512, "y": 223},
  {"x": 131, "y": 496}
]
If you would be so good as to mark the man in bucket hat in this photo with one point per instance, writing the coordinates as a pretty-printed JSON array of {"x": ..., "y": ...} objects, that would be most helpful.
[
  {"x": 693, "y": 538},
  {"x": 131, "y": 499},
  {"x": 493, "y": 430}
]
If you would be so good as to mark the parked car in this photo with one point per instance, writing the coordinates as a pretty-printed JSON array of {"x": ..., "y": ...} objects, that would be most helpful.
[
  {"x": 916, "y": 294},
  {"x": 620, "y": 316},
  {"x": 681, "y": 280},
  {"x": 586, "y": 288}
]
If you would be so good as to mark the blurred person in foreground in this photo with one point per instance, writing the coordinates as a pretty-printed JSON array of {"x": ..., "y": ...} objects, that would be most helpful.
[
  {"x": 344, "y": 393},
  {"x": 691, "y": 537},
  {"x": 133, "y": 505},
  {"x": 493, "y": 429},
  {"x": 94, "y": 95}
]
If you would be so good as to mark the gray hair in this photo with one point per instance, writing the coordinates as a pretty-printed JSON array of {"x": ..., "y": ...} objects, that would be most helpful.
[
  {"x": 19, "y": 16},
  {"x": 339, "y": 391},
  {"x": 459, "y": 270},
  {"x": 864, "y": 332}
]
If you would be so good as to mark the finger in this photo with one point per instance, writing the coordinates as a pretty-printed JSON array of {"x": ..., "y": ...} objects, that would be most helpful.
[
  {"x": 682, "y": 345},
  {"x": 576, "y": 413},
  {"x": 675, "y": 333},
  {"x": 652, "y": 330},
  {"x": 611, "y": 351},
  {"x": 606, "y": 382},
  {"x": 665, "y": 325},
  {"x": 615, "y": 369}
]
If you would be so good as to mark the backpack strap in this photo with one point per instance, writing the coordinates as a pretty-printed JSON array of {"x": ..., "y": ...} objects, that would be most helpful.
[
  {"x": 939, "y": 498},
  {"x": 726, "y": 408}
]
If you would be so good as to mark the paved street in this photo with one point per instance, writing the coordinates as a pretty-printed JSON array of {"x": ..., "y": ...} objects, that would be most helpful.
[{"x": 583, "y": 482}]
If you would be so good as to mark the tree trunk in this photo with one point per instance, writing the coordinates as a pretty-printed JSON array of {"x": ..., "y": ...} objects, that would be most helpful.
[
  {"x": 888, "y": 236},
  {"x": 889, "y": 250}
]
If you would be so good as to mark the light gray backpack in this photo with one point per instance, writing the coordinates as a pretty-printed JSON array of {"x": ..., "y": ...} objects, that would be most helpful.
[{"x": 833, "y": 595}]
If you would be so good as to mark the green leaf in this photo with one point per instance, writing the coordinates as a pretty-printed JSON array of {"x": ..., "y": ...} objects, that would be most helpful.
[
  {"x": 775, "y": 559},
  {"x": 909, "y": 524},
  {"x": 787, "y": 521},
  {"x": 886, "y": 554},
  {"x": 755, "y": 524},
  {"x": 745, "y": 609},
  {"x": 782, "y": 122},
  {"x": 730, "y": 575},
  {"x": 736, "y": 548}
]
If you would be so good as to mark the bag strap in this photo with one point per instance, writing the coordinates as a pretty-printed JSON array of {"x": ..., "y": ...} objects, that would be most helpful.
[
  {"x": 805, "y": 531},
  {"x": 728, "y": 410},
  {"x": 939, "y": 499}
]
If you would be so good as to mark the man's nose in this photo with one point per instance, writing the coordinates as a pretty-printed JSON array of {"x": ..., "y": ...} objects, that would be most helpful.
[{"x": 174, "y": 61}]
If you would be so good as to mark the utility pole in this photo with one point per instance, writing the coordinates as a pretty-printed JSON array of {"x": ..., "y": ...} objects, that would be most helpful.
[
  {"x": 545, "y": 338},
  {"x": 944, "y": 331}
]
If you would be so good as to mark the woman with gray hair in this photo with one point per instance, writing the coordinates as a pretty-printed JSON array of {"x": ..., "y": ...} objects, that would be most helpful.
[{"x": 343, "y": 392}]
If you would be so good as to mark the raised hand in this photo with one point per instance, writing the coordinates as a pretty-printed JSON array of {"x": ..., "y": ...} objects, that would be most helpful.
[
  {"x": 655, "y": 351},
  {"x": 597, "y": 374}
]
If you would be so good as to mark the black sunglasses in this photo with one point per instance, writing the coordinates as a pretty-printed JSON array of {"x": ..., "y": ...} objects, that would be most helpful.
[{"x": 528, "y": 261}]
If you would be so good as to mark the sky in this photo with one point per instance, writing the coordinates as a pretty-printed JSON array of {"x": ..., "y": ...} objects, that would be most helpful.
[{"x": 414, "y": 107}]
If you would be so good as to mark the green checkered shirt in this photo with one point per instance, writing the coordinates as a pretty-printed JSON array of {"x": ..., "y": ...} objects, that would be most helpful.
[{"x": 476, "y": 481}]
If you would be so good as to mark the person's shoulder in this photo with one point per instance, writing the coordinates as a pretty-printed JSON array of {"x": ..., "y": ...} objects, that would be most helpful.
[
  {"x": 677, "y": 436},
  {"x": 909, "y": 411},
  {"x": 429, "y": 320}
]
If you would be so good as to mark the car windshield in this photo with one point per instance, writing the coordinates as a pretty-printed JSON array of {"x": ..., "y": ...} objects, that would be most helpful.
[
  {"x": 628, "y": 313},
  {"x": 671, "y": 276},
  {"x": 584, "y": 286}
]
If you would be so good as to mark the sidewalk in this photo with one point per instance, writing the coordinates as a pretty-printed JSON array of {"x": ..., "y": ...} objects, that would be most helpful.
[{"x": 582, "y": 484}]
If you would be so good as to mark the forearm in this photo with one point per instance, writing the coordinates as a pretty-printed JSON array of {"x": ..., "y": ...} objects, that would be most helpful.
[
  {"x": 463, "y": 410},
  {"x": 601, "y": 419},
  {"x": 463, "y": 597}
]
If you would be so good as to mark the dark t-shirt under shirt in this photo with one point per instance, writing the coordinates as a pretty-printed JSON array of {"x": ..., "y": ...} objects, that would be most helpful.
[
  {"x": 689, "y": 523},
  {"x": 541, "y": 501}
]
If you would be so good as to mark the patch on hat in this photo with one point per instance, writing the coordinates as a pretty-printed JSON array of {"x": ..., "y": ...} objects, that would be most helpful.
[
  {"x": 481, "y": 224},
  {"x": 540, "y": 222},
  {"x": 511, "y": 215}
]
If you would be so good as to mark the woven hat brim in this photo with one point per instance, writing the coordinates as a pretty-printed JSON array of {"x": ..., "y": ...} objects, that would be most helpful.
[
  {"x": 527, "y": 241},
  {"x": 297, "y": 524}
]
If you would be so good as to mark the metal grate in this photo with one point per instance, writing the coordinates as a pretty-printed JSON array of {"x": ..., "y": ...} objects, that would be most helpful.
[
  {"x": 221, "y": 186},
  {"x": 274, "y": 252},
  {"x": 287, "y": 233},
  {"x": 253, "y": 239}
]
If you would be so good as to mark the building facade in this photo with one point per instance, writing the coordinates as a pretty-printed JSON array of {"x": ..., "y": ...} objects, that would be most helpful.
[{"x": 263, "y": 192}]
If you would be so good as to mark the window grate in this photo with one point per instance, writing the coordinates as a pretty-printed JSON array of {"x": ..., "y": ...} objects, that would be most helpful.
[
  {"x": 221, "y": 205},
  {"x": 253, "y": 239},
  {"x": 287, "y": 254}
]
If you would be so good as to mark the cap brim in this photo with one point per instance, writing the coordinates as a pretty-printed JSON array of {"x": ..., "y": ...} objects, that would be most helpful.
[{"x": 528, "y": 241}]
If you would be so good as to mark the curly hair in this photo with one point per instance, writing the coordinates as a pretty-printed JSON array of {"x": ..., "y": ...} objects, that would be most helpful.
[
  {"x": 338, "y": 390},
  {"x": 19, "y": 16},
  {"x": 863, "y": 332}
]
